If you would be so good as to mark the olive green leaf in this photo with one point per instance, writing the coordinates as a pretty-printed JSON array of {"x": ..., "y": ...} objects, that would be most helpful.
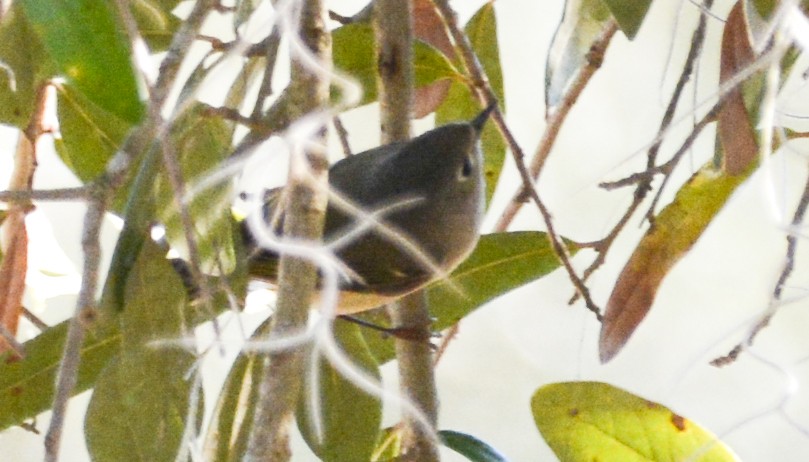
[
  {"x": 629, "y": 14},
  {"x": 156, "y": 23},
  {"x": 24, "y": 62},
  {"x": 349, "y": 417},
  {"x": 140, "y": 402}
]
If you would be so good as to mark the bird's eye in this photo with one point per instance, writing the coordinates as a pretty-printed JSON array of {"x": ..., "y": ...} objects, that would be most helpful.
[{"x": 466, "y": 168}]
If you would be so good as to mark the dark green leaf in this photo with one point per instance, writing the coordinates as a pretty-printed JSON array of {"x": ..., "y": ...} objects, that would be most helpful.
[
  {"x": 85, "y": 41},
  {"x": 155, "y": 22},
  {"x": 629, "y": 14},
  {"x": 26, "y": 386},
  {"x": 23, "y": 58},
  {"x": 470, "y": 447},
  {"x": 140, "y": 403},
  {"x": 350, "y": 418},
  {"x": 588, "y": 421},
  {"x": 461, "y": 104}
]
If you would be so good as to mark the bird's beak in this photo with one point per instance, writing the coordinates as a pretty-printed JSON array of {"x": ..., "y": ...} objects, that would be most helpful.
[{"x": 479, "y": 121}]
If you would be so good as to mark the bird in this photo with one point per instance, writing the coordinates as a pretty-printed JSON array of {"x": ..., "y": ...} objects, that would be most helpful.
[{"x": 430, "y": 195}]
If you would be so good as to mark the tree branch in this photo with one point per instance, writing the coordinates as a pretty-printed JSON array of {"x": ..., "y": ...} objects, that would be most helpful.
[
  {"x": 393, "y": 26},
  {"x": 308, "y": 192}
]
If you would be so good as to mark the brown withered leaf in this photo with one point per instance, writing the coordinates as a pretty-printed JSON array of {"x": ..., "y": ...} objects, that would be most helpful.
[
  {"x": 678, "y": 226},
  {"x": 429, "y": 28},
  {"x": 735, "y": 129}
]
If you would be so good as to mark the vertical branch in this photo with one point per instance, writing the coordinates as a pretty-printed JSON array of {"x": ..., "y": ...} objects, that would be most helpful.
[
  {"x": 394, "y": 36},
  {"x": 308, "y": 192}
]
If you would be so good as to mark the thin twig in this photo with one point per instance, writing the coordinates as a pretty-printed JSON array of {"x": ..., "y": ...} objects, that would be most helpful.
[
  {"x": 643, "y": 180},
  {"x": 271, "y": 44},
  {"x": 64, "y": 194},
  {"x": 67, "y": 373},
  {"x": 789, "y": 266},
  {"x": 11, "y": 342},
  {"x": 34, "y": 319},
  {"x": 595, "y": 58},
  {"x": 201, "y": 283},
  {"x": 342, "y": 135}
]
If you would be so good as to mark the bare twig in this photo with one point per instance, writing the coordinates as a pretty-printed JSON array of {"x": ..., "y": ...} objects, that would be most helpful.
[
  {"x": 270, "y": 44},
  {"x": 786, "y": 271},
  {"x": 85, "y": 307},
  {"x": 643, "y": 180},
  {"x": 486, "y": 95},
  {"x": 342, "y": 135},
  {"x": 34, "y": 319},
  {"x": 65, "y": 194},
  {"x": 595, "y": 58},
  {"x": 280, "y": 387},
  {"x": 201, "y": 283},
  {"x": 11, "y": 342}
]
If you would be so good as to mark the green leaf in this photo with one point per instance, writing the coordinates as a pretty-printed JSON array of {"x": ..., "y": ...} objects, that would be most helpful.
[
  {"x": 582, "y": 22},
  {"x": 155, "y": 21},
  {"x": 470, "y": 447},
  {"x": 90, "y": 134},
  {"x": 26, "y": 386},
  {"x": 232, "y": 420},
  {"x": 353, "y": 53},
  {"x": 140, "y": 403},
  {"x": 500, "y": 262},
  {"x": 461, "y": 104},
  {"x": 629, "y": 14},
  {"x": 85, "y": 40},
  {"x": 23, "y": 59},
  {"x": 201, "y": 142},
  {"x": 350, "y": 418},
  {"x": 587, "y": 421}
]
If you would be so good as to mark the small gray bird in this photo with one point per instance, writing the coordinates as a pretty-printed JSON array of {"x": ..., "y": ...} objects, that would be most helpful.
[{"x": 433, "y": 187}]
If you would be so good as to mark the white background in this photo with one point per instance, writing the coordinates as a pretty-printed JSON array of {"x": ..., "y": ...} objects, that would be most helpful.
[{"x": 531, "y": 337}]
